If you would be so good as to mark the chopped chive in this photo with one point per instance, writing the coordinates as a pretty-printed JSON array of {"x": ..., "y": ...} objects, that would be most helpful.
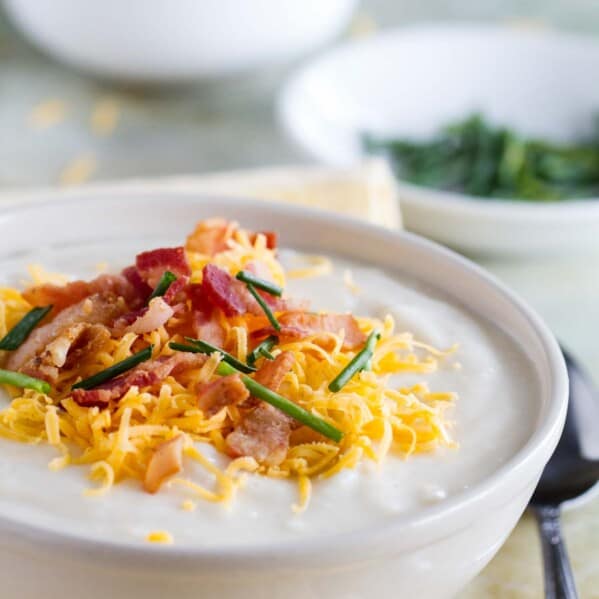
[
  {"x": 271, "y": 317},
  {"x": 249, "y": 279},
  {"x": 15, "y": 337},
  {"x": 203, "y": 347},
  {"x": 263, "y": 350},
  {"x": 18, "y": 379},
  {"x": 267, "y": 354},
  {"x": 165, "y": 282},
  {"x": 361, "y": 361},
  {"x": 285, "y": 405},
  {"x": 115, "y": 369}
]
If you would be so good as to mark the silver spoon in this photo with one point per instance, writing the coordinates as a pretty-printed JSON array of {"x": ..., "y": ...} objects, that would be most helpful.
[{"x": 568, "y": 475}]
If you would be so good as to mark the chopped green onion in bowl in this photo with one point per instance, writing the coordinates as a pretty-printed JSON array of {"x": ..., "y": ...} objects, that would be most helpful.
[{"x": 481, "y": 159}]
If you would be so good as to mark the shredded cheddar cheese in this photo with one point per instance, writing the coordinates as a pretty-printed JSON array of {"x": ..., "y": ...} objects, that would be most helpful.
[
  {"x": 79, "y": 170},
  {"x": 116, "y": 443},
  {"x": 47, "y": 113},
  {"x": 160, "y": 536},
  {"x": 319, "y": 266},
  {"x": 189, "y": 506},
  {"x": 105, "y": 116}
]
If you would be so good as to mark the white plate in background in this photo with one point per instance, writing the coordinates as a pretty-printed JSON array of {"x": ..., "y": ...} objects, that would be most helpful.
[{"x": 412, "y": 81}]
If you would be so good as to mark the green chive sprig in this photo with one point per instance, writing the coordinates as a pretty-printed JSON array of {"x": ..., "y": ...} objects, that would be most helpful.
[
  {"x": 17, "y": 335},
  {"x": 265, "y": 308},
  {"x": 116, "y": 369},
  {"x": 165, "y": 282},
  {"x": 361, "y": 361},
  {"x": 263, "y": 350},
  {"x": 202, "y": 347},
  {"x": 249, "y": 279},
  {"x": 18, "y": 379},
  {"x": 288, "y": 407}
]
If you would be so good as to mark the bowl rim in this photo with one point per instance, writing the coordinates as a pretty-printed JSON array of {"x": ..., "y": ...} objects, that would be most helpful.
[
  {"x": 541, "y": 441},
  {"x": 576, "y": 209}
]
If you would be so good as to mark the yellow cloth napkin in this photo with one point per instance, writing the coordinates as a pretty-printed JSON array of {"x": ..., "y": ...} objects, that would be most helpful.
[{"x": 366, "y": 191}]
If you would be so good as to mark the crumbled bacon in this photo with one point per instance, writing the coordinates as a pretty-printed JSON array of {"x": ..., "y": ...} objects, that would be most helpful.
[
  {"x": 299, "y": 325},
  {"x": 146, "y": 374},
  {"x": 114, "y": 389},
  {"x": 63, "y": 296},
  {"x": 208, "y": 328},
  {"x": 271, "y": 238},
  {"x": 175, "y": 364},
  {"x": 272, "y": 372},
  {"x": 166, "y": 461},
  {"x": 68, "y": 349},
  {"x": 147, "y": 319},
  {"x": 152, "y": 265},
  {"x": 96, "y": 309},
  {"x": 264, "y": 431},
  {"x": 199, "y": 300},
  {"x": 225, "y": 391},
  {"x": 177, "y": 291},
  {"x": 211, "y": 236},
  {"x": 205, "y": 322},
  {"x": 262, "y": 434},
  {"x": 220, "y": 289},
  {"x": 142, "y": 289}
]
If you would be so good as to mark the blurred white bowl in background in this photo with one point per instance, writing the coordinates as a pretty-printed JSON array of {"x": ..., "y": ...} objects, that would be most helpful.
[
  {"x": 174, "y": 41},
  {"x": 412, "y": 81}
]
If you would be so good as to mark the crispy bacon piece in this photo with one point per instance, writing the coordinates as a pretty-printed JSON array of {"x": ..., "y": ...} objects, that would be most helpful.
[
  {"x": 92, "y": 339},
  {"x": 271, "y": 238},
  {"x": 114, "y": 389},
  {"x": 271, "y": 372},
  {"x": 151, "y": 265},
  {"x": 68, "y": 349},
  {"x": 263, "y": 434},
  {"x": 211, "y": 236},
  {"x": 175, "y": 364},
  {"x": 177, "y": 291},
  {"x": 221, "y": 290},
  {"x": 96, "y": 309},
  {"x": 147, "y": 319},
  {"x": 208, "y": 328},
  {"x": 225, "y": 391},
  {"x": 144, "y": 375},
  {"x": 299, "y": 325},
  {"x": 205, "y": 322},
  {"x": 264, "y": 431},
  {"x": 63, "y": 296},
  {"x": 142, "y": 289},
  {"x": 166, "y": 461},
  {"x": 199, "y": 300}
]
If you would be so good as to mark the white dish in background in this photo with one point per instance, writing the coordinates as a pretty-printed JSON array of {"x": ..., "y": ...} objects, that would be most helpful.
[
  {"x": 432, "y": 552},
  {"x": 412, "y": 81},
  {"x": 160, "y": 41}
]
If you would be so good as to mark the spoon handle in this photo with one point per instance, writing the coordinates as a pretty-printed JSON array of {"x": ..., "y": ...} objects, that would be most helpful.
[{"x": 559, "y": 580}]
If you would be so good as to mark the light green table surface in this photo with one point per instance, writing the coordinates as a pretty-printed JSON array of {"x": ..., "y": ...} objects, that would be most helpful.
[{"x": 231, "y": 124}]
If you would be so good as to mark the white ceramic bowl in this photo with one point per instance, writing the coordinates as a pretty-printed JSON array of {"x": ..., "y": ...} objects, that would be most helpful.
[
  {"x": 414, "y": 80},
  {"x": 166, "y": 41},
  {"x": 431, "y": 554}
]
